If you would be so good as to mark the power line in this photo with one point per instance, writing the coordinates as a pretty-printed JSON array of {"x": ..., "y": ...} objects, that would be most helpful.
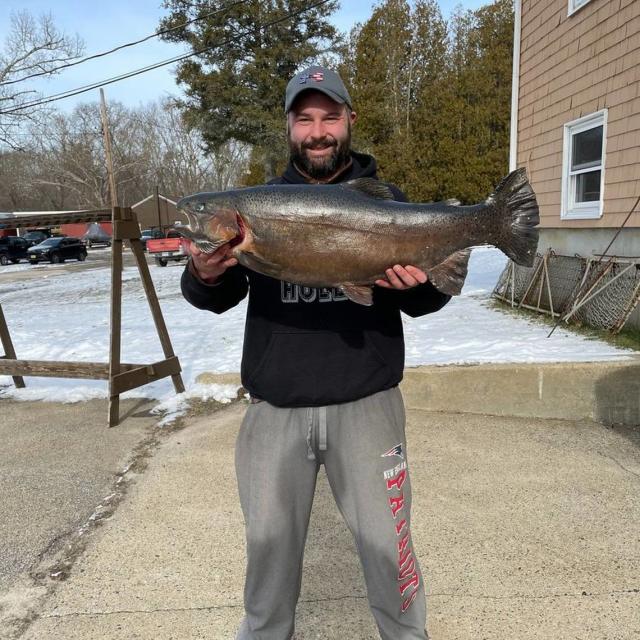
[
  {"x": 74, "y": 92},
  {"x": 124, "y": 46}
]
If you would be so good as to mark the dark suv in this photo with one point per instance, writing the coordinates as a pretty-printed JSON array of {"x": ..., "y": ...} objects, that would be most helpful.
[
  {"x": 58, "y": 250},
  {"x": 13, "y": 249}
]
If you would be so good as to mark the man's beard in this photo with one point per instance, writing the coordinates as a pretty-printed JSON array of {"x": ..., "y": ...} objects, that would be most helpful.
[{"x": 321, "y": 168}]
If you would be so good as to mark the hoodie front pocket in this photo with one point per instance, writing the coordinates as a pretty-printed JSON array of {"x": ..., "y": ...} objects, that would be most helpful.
[{"x": 317, "y": 368}]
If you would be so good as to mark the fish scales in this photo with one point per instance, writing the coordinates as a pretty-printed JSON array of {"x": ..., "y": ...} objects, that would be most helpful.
[{"x": 319, "y": 240}]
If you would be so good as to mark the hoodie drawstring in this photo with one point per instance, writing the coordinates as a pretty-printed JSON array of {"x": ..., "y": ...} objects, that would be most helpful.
[
  {"x": 310, "y": 454},
  {"x": 322, "y": 436},
  {"x": 322, "y": 430}
]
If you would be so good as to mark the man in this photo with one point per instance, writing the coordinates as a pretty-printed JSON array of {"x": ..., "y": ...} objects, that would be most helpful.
[{"x": 323, "y": 375}]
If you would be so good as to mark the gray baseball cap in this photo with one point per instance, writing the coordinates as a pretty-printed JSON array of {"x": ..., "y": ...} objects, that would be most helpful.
[{"x": 318, "y": 79}]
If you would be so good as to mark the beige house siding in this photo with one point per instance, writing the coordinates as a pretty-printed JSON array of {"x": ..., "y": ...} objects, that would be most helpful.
[{"x": 570, "y": 67}]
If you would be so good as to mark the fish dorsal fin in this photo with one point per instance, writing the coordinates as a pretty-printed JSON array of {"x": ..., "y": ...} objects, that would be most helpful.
[
  {"x": 450, "y": 274},
  {"x": 361, "y": 294},
  {"x": 370, "y": 187}
]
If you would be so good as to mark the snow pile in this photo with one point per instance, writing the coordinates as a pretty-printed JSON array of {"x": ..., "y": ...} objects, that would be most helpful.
[{"x": 176, "y": 405}]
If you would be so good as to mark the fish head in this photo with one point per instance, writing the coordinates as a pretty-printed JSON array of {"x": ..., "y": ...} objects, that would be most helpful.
[{"x": 213, "y": 221}]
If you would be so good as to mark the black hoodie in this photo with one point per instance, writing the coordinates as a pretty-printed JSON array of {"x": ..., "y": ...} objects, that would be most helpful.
[{"x": 313, "y": 347}]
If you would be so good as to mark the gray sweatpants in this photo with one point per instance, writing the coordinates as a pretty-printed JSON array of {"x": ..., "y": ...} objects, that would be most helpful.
[{"x": 362, "y": 446}]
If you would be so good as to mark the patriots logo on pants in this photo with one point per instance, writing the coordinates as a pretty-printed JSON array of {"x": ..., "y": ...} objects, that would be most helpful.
[{"x": 394, "y": 451}]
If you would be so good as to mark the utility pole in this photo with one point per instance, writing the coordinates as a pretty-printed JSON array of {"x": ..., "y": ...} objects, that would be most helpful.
[
  {"x": 157, "y": 194},
  {"x": 107, "y": 149},
  {"x": 116, "y": 273}
]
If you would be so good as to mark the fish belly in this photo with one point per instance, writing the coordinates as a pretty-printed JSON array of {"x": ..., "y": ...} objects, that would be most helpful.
[{"x": 317, "y": 252}]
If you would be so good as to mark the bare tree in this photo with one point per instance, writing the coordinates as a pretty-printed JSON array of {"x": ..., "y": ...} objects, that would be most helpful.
[
  {"x": 32, "y": 47},
  {"x": 63, "y": 166},
  {"x": 176, "y": 156},
  {"x": 71, "y": 159}
]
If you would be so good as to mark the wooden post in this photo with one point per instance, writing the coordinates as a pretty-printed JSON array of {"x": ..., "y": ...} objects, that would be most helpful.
[
  {"x": 7, "y": 345},
  {"x": 534, "y": 276},
  {"x": 156, "y": 311},
  {"x": 546, "y": 275},
  {"x": 115, "y": 320},
  {"x": 633, "y": 303}
]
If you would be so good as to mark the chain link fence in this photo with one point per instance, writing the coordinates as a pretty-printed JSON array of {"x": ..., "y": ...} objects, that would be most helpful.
[{"x": 600, "y": 293}]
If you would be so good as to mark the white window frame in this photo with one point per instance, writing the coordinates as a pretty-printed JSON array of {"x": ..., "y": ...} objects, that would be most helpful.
[
  {"x": 576, "y": 5},
  {"x": 571, "y": 210}
]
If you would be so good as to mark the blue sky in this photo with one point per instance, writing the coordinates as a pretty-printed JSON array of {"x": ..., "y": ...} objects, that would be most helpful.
[{"x": 103, "y": 25}]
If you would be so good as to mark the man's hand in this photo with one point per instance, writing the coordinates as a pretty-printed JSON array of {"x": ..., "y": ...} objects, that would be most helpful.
[
  {"x": 209, "y": 266},
  {"x": 403, "y": 277}
]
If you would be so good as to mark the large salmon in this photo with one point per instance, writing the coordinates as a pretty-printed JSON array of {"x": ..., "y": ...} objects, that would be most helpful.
[{"x": 346, "y": 235}]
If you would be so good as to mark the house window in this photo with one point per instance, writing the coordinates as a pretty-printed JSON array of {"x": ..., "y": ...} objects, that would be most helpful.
[
  {"x": 574, "y": 5},
  {"x": 583, "y": 166}
]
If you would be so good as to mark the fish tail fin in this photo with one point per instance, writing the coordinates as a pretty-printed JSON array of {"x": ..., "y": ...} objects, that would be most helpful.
[{"x": 515, "y": 203}]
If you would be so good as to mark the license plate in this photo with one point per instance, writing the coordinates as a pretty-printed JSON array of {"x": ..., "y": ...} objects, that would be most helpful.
[
  {"x": 166, "y": 254},
  {"x": 33, "y": 256}
]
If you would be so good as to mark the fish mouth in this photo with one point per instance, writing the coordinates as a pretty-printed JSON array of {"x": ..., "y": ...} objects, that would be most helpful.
[
  {"x": 203, "y": 242},
  {"x": 199, "y": 239}
]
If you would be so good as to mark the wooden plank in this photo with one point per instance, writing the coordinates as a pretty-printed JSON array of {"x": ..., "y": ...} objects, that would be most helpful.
[
  {"x": 7, "y": 345},
  {"x": 145, "y": 374},
  {"x": 54, "y": 369},
  {"x": 156, "y": 311},
  {"x": 55, "y": 219},
  {"x": 633, "y": 303},
  {"x": 531, "y": 283},
  {"x": 526, "y": 306},
  {"x": 546, "y": 274},
  {"x": 59, "y": 369}
]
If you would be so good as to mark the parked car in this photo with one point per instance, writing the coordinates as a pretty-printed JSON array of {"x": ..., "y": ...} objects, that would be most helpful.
[
  {"x": 35, "y": 237},
  {"x": 150, "y": 234},
  {"x": 58, "y": 250},
  {"x": 13, "y": 249}
]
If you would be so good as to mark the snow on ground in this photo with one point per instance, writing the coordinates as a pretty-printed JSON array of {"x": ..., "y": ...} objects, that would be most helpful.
[
  {"x": 65, "y": 316},
  {"x": 470, "y": 330}
]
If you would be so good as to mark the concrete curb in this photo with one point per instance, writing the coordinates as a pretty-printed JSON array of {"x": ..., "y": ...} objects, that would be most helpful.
[{"x": 607, "y": 392}]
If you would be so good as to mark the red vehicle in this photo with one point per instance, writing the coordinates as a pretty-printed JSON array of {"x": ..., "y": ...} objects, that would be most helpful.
[{"x": 165, "y": 249}]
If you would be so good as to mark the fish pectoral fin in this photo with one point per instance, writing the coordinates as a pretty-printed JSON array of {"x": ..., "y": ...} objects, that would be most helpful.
[
  {"x": 450, "y": 274},
  {"x": 370, "y": 187},
  {"x": 358, "y": 293}
]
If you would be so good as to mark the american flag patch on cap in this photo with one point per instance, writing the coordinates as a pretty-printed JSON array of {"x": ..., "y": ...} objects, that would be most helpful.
[{"x": 317, "y": 76}]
